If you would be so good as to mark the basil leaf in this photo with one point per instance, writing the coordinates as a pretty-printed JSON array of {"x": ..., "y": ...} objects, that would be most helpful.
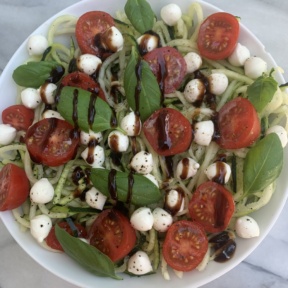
[
  {"x": 263, "y": 164},
  {"x": 83, "y": 108},
  {"x": 141, "y": 85},
  {"x": 34, "y": 74},
  {"x": 143, "y": 192},
  {"x": 261, "y": 92},
  {"x": 86, "y": 255},
  {"x": 140, "y": 14}
]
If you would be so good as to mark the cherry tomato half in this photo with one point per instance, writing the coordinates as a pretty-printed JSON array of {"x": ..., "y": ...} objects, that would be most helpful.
[
  {"x": 88, "y": 26},
  {"x": 185, "y": 245},
  {"x": 168, "y": 132},
  {"x": 14, "y": 187},
  {"x": 83, "y": 81},
  {"x": 238, "y": 124},
  {"x": 218, "y": 36},
  {"x": 168, "y": 66},
  {"x": 112, "y": 234},
  {"x": 52, "y": 241},
  {"x": 51, "y": 142},
  {"x": 18, "y": 116},
  {"x": 212, "y": 206}
]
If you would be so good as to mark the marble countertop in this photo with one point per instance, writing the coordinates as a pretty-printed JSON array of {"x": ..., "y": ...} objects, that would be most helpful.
[{"x": 267, "y": 266}]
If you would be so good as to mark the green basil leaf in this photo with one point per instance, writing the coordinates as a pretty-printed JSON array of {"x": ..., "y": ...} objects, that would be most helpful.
[
  {"x": 141, "y": 85},
  {"x": 263, "y": 164},
  {"x": 140, "y": 14},
  {"x": 34, "y": 74},
  {"x": 86, "y": 255},
  {"x": 261, "y": 92},
  {"x": 144, "y": 192},
  {"x": 103, "y": 113}
]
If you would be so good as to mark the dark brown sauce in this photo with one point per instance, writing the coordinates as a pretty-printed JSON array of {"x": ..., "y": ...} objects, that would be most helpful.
[
  {"x": 112, "y": 186},
  {"x": 220, "y": 207},
  {"x": 91, "y": 146},
  {"x": 138, "y": 71},
  {"x": 169, "y": 173},
  {"x": 220, "y": 173},
  {"x": 77, "y": 175},
  {"x": 162, "y": 74},
  {"x": 226, "y": 252},
  {"x": 56, "y": 74},
  {"x": 185, "y": 170},
  {"x": 173, "y": 210},
  {"x": 134, "y": 147},
  {"x": 116, "y": 158},
  {"x": 43, "y": 92},
  {"x": 130, "y": 187},
  {"x": 92, "y": 109},
  {"x": 162, "y": 122},
  {"x": 75, "y": 133},
  {"x": 114, "y": 142}
]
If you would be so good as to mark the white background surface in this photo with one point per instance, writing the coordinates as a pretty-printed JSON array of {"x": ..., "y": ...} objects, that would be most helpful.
[{"x": 267, "y": 266}]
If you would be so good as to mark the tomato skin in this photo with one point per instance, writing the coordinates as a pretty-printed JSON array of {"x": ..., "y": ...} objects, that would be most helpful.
[
  {"x": 83, "y": 81},
  {"x": 185, "y": 245},
  {"x": 51, "y": 142},
  {"x": 87, "y": 27},
  {"x": 168, "y": 132},
  {"x": 14, "y": 187},
  {"x": 18, "y": 116},
  {"x": 52, "y": 241},
  {"x": 112, "y": 234},
  {"x": 238, "y": 124},
  {"x": 168, "y": 66},
  {"x": 212, "y": 206},
  {"x": 218, "y": 36}
]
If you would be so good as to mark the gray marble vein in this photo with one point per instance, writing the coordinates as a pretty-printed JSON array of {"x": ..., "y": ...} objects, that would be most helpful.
[{"x": 267, "y": 266}]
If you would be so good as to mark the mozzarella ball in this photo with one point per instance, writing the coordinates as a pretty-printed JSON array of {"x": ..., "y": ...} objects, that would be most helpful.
[
  {"x": 203, "y": 132},
  {"x": 171, "y": 14},
  {"x": 95, "y": 199},
  {"x": 217, "y": 170},
  {"x": 194, "y": 90},
  {"x": 152, "y": 178},
  {"x": 86, "y": 137},
  {"x": 47, "y": 93},
  {"x": 42, "y": 191},
  {"x": 186, "y": 168},
  {"x": 51, "y": 114},
  {"x": 142, "y": 219},
  {"x": 30, "y": 98},
  {"x": 8, "y": 134},
  {"x": 112, "y": 39},
  {"x": 218, "y": 83},
  {"x": 281, "y": 133},
  {"x": 193, "y": 61},
  {"x": 247, "y": 227},
  {"x": 88, "y": 63},
  {"x": 139, "y": 263},
  {"x": 40, "y": 227},
  {"x": 142, "y": 162},
  {"x": 254, "y": 67},
  {"x": 162, "y": 220},
  {"x": 240, "y": 54},
  {"x": 131, "y": 124},
  {"x": 172, "y": 200},
  {"x": 37, "y": 44},
  {"x": 148, "y": 42},
  {"x": 118, "y": 142},
  {"x": 94, "y": 157}
]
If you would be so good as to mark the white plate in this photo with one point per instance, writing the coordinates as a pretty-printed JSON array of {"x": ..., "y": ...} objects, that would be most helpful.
[{"x": 67, "y": 269}]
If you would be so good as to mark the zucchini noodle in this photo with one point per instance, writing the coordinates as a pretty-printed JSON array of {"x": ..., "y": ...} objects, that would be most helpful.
[{"x": 65, "y": 196}]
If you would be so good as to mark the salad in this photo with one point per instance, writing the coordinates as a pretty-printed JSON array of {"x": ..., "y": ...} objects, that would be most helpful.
[{"x": 163, "y": 164}]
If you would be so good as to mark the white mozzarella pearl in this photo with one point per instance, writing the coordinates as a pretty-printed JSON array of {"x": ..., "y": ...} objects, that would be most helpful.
[
  {"x": 97, "y": 155},
  {"x": 203, "y": 132},
  {"x": 37, "y": 44},
  {"x": 40, "y": 227},
  {"x": 94, "y": 198},
  {"x": 118, "y": 142},
  {"x": 152, "y": 178},
  {"x": 171, "y": 14},
  {"x": 240, "y": 54},
  {"x": 186, "y": 168},
  {"x": 52, "y": 114},
  {"x": 247, "y": 227},
  {"x": 254, "y": 67},
  {"x": 86, "y": 137},
  {"x": 42, "y": 191},
  {"x": 142, "y": 219},
  {"x": 112, "y": 39},
  {"x": 142, "y": 162},
  {"x": 30, "y": 98},
  {"x": 162, "y": 219},
  {"x": 213, "y": 171},
  {"x": 218, "y": 83},
  {"x": 172, "y": 200},
  {"x": 139, "y": 263},
  {"x": 8, "y": 134},
  {"x": 88, "y": 63},
  {"x": 131, "y": 124},
  {"x": 47, "y": 93},
  {"x": 281, "y": 133},
  {"x": 194, "y": 90},
  {"x": 148, "y": 42},
  {"x": 193, "y": 61}
]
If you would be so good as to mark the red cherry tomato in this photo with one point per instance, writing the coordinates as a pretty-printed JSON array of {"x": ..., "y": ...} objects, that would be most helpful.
[
  {"x": 185, "y": 245},
  {"x": 83, "y": 81},
  {"x": 18, "y": 116},
  {"x": 52, "y": 241},
  {"x": 218, "y": 36},
  {"x": 87, "y": 27},
  {"x": 212, "y": 206},
  {"x": 169, "y": 67},
  {"x": 14, "y": 187},
  {"x": 51, "y": 142},
  {"x": 168, "y": 132},
  {"x": 238, "y": 124},
  {"x": 112, "y": 234}
]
